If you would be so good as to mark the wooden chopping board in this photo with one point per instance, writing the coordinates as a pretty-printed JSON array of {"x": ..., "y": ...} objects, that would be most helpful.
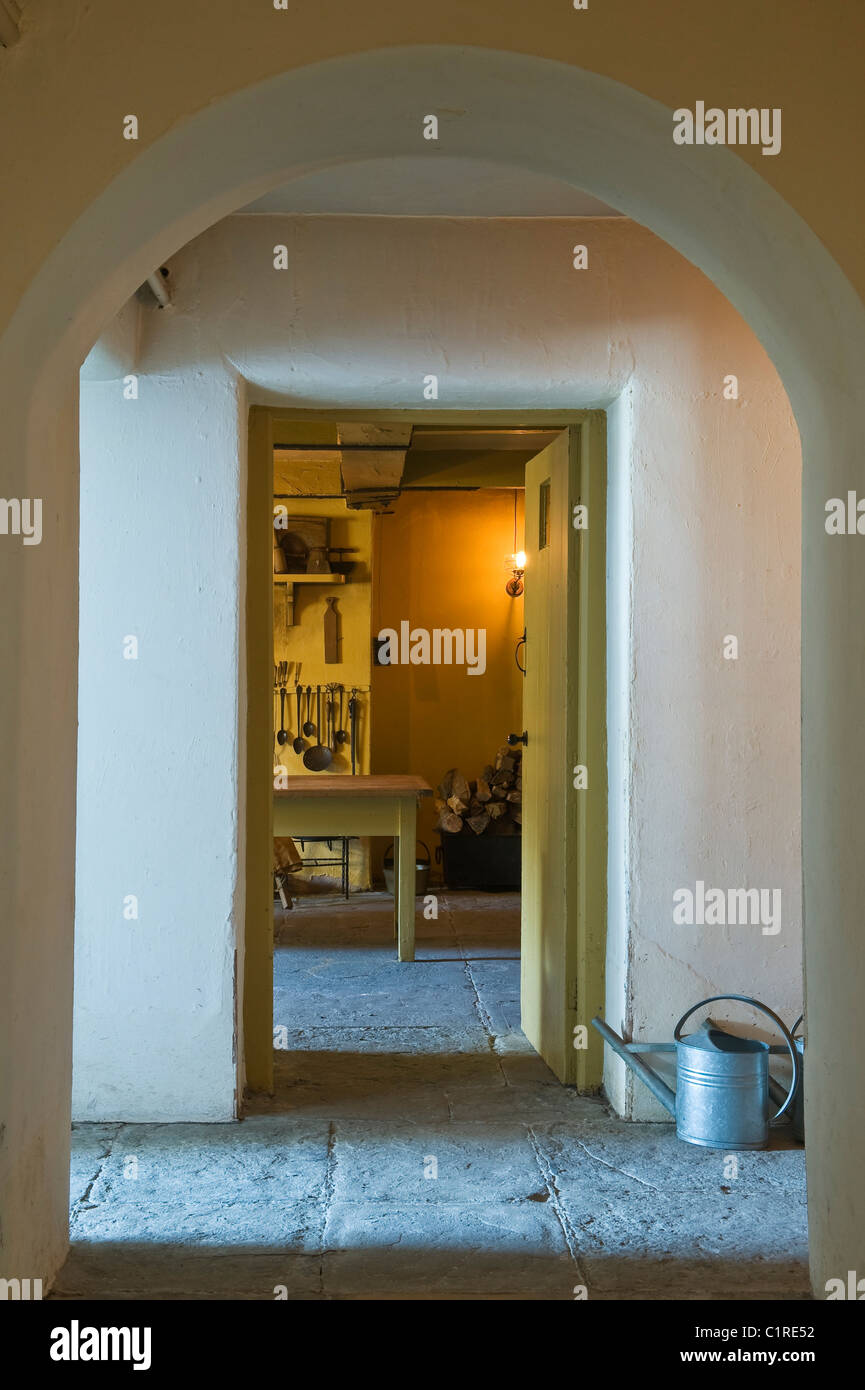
[{"x": 331, "y": 633}]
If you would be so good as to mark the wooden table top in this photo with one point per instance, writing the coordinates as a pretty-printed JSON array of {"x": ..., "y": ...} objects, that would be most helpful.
[{"x": 361, "y": 784}]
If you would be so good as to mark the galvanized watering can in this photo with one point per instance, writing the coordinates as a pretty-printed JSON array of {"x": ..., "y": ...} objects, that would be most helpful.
[{"x": 721, "y": 1100}]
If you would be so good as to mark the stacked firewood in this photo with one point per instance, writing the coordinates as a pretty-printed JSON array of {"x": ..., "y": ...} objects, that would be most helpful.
[{"x": 492, "y": 804}]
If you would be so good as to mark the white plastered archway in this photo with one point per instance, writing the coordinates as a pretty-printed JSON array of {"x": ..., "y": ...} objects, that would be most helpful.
[{"x": 550, "y": 118}]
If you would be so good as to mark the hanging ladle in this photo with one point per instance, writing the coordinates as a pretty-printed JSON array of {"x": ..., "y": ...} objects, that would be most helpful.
[
  {"x": 318, "y": 758},
  {"x": 341, "y": 734},
  {"x": 309, "y": 727},
  {"x": 282, "y": 736},
  {"x": 299, "y": 743}
]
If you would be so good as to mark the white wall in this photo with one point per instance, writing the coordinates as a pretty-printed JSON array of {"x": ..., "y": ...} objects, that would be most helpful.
[
  {"x": 160, "y": 777},
  {"x": 704, "y": 525},
  {"x": 115, "y": 352},
  {"x": 705, "y": 518},
  {"x": 618, "y": 1079}
]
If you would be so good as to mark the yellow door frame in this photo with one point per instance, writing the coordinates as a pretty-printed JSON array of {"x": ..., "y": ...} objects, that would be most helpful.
[
  {"x": 587, "y": 935},
  {"x": 257, "y": 1010},
  {"x": 587, "y": 940}
]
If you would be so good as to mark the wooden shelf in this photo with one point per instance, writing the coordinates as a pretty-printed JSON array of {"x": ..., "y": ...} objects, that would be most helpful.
[
  {"x": 309, "y": 579},
  {"x": 289, "y": 581}
]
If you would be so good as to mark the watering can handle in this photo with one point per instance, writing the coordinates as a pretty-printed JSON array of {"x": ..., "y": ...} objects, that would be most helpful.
[{"x": 764, "y": 1008}]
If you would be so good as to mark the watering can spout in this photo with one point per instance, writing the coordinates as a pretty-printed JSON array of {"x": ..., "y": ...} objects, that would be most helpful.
[{"x": 659, "y": 1088}]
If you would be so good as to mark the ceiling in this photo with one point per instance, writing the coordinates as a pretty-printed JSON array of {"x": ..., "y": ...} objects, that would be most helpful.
[
  {"x": 428, "y": 185},
  {"x": 370, "y": 463}
]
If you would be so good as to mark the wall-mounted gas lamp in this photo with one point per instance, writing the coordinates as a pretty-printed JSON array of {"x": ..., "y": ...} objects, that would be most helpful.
[
  {"x": 514, "y": 586},
  {"x": 516, "y": 562}
]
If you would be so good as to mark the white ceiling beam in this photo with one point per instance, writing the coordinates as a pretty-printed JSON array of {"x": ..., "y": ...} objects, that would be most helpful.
[
  {"x": 371, "y": 476},
  {"x": 449, "y": 438}
]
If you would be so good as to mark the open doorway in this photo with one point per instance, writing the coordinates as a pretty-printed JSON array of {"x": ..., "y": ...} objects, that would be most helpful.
[{"x": 402, "y": 650}]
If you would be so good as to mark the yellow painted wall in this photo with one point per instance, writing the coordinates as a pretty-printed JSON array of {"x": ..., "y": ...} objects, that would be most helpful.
[
  {"x": 304, "y": 643},
  {"x": 439, "y": 562}
]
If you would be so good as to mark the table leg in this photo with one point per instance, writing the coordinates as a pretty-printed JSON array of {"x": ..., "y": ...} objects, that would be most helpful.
[{"x": 406, "y": 859}]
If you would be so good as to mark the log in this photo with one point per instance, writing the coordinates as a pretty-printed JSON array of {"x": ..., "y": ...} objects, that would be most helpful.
[
  {"x": 490, "y": 803},
  {"x": 460, "y": 787},
  {"x": 446, "y": 785}
]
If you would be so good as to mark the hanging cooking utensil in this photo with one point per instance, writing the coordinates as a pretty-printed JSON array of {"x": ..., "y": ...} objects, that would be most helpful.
[
  {"x": 325, "y": 736},
  {"x": 282, "y": 736},
  {"x": 309, "y": 727},
  {"x": 299, "y": 743},
  {"x": 318, "y": 758},
  {"x": 341, "y": 735},
  {"x": 352, "y": 718}
]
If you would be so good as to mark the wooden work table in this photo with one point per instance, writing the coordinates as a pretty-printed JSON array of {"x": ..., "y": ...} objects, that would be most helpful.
[{"x": 364, "y": 804}]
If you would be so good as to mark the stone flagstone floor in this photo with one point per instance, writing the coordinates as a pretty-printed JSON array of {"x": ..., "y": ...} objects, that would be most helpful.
[{"x": 417, "y": 1148}]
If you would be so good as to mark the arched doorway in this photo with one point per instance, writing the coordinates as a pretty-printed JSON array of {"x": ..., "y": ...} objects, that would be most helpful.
[{"x": 616, "y": 144}]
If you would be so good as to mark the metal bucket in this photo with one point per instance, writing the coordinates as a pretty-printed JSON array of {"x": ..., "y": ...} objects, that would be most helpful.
[{"x": 421, "y": 869}]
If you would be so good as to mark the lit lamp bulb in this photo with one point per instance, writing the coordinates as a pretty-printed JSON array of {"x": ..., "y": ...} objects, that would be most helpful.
[{"x": 514, "y": 586}]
